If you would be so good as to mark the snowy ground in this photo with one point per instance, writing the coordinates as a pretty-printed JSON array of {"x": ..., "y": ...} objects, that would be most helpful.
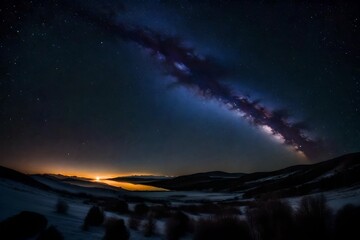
[
  {"x": 187, "y": 197},
  {"x": 335, "y": 199},
  {"x": 16, "y": 197}
]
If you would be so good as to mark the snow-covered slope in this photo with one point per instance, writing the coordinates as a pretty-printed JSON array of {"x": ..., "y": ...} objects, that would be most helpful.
[
  {"x": 337, "y": 173},
  {"x": 16, "y": 197}
]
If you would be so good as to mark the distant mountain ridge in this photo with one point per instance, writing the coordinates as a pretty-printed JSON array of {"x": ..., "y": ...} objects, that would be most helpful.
[
  {"x": 139, "y": 178},
  {"x": 337, "y": 173},
  {"x": 10, "y": 174},
  {"x": 296, "y": 180},
  {"x": 63, "y": 186},
  {"x": 195, "y": 176},
  {"x": 64, "y": 177}
]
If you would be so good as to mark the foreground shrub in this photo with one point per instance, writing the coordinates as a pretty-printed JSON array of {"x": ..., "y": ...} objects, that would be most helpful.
[
  {"x": 347, "y": 223},
  {"x": 134, "y": 222},
  {"x": 161, "y": 211},
  {"x": 118, "y": 206},
  {"x": 222, "y": 227},
  {"x": 271, "y": 219},
  {"x": 51, "y": 234},
  {"x": 24, "y": 225},
  {"x": 313, "y": 218},
  {"x": 177, "y": 225},
  {"x": 116, "y": 230},
  {"x": 61, "y": 207},
  {"x": 209, "y": 208},
  {"x": 95, "y": 217},
  {"x": 141, "y": 209},
  {"x": 149, "y": 228}
]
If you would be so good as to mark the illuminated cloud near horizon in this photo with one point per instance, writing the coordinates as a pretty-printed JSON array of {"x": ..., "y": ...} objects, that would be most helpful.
[{"x": 203, "y": 75}]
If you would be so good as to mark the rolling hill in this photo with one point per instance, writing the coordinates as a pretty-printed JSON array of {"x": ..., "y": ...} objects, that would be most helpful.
[{"x": 297, "y": 180}]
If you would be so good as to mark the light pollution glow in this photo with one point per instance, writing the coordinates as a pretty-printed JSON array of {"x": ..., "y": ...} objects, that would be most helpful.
[
  {"x": 70, "y": 170},
  {"x": 130, "y": 186},
  {"x": 94, "y": 176}
]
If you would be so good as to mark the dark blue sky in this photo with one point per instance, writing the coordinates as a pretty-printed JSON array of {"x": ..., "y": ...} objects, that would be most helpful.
[{"x": 78, "y": 95}]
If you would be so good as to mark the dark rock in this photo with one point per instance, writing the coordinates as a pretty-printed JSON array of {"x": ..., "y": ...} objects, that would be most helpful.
[{"x": 22, "y": 226}]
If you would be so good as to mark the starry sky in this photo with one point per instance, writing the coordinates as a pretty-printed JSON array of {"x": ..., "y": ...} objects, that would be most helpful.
[{"x": 173, "y": 87}]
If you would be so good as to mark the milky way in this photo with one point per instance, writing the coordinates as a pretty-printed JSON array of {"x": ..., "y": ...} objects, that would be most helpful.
[
  {"x": 173, "y": 87},
  {"x": 203, "y": 75}
]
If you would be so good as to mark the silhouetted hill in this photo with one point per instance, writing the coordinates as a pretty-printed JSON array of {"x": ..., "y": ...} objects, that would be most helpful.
[
  {"x": 54, "y": 184},
  {"x": 63, "y": 178},
  {"x": 336, "y": 173},
  {"x": 139, "y": 179},
  {"x": 7, "y": 173},
  {"x": 197, "y": 181},
  {"x": 197, "y": 177}
]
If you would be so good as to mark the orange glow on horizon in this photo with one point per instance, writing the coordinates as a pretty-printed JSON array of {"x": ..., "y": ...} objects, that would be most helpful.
[
  {"x": 91, "y": 175},
  {"x": 131, "y": 186},
  {"x": 75, "y": 171}
]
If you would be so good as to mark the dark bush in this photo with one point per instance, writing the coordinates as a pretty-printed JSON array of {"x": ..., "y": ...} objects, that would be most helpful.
[
  {"x": 222, "y": 227},
  {"x": 134, "y": 222},
  {"x": 116, "y": 230},
  {"x": 118, "y": 206},
  {"x": 23, "y": 226},
  {"x": 141, "y": 209},
  {"x": 95, "y": 217},
  {"x": 62, "y": 207},
  {"x": 347, "y": 223},
  {"x": 209, "y": 208},
  {"x": 51, "y": 233},
  {"x": 149, "y": 227},
  {"x": 177, "y": 225},
  {"x": 161, "y": 211},
  {"x": 313, "y": 218},
  {"x": 121, "y": 207},
  {"x": 271, "y": 219}
]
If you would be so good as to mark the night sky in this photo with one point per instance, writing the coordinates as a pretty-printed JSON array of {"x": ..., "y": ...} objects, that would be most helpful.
[{"x": 93, "y": 87}]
